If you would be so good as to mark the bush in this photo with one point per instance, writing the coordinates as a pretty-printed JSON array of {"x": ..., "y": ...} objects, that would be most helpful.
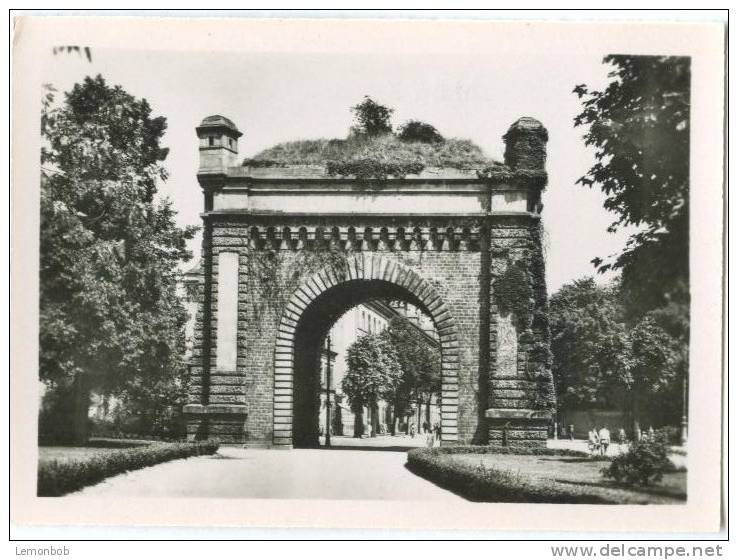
[
  {"x": 644, "y": 463},
  {"x": 59, "y": 477},
  {"x": 479, "y": 483},
  {"x": 417, "y": 131},
  {"x": 372, "y": 118},
  {"x": 672, "y": 434},
  {"x": 508, "y": 450},
  {"x": 167, "y": 425}
]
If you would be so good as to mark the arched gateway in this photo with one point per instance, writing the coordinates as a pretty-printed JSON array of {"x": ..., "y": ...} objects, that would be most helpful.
[
  {"x": 313, "y": 308},
  {"x": 288, "y": 250}
]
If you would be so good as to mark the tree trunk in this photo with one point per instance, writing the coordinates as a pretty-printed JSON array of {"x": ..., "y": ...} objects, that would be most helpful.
[
  {"x": 81, "y": 409},
  {"x": 427, "y": 410},
  {"x": 420, "y": 413},
  {"x": 636, "y": 411},
  {"x": 374, "y": 420},
  {"x": 393, "y": 419},
  {"x": 359, "y": 423}
]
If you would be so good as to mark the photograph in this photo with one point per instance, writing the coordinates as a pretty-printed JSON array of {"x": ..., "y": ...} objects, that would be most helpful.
[{"x": 432, "y": 264}]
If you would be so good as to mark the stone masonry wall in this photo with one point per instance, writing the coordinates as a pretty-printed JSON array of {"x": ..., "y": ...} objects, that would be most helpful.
[
  {"x": 529, "y": 385},
  {"x": 270, "y": 271}
]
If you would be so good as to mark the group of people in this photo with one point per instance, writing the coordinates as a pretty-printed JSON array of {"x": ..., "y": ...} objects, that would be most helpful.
[
  {"x": 599, "y": 440},
  {"x": 432, "y": 433}
]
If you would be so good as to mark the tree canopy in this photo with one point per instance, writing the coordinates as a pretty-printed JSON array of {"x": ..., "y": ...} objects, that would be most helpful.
[
  {"x": 602, "y": 361},
  {"x": 420, "y": 363},
  {"x": 372, "y": 118},
  {"x": 110, "y": 317},
  {"x": 418, "y": 131},
  {"x": 373, "y": 370},
  {"x": 639, "y": 128}
]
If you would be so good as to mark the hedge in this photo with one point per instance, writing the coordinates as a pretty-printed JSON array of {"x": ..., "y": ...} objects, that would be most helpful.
[
  {"x": 509, "y": 450},
  {"x": 479, "y": 483},
  {"x": 58, "y": 477}
]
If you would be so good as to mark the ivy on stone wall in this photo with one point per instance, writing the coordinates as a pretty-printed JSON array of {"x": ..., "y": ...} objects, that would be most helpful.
[
  {"x": 366, "y": 169},
  {"x": 273, "y": 275},
  {"x": 540, "y": 356},
  {"x": 514, "y": 294},
  {"x": 264, "y": 281},
  {"x": 544, "y": 399},
  {"x": 498, "y": 173},
  {"x": 521, "y": 290}
]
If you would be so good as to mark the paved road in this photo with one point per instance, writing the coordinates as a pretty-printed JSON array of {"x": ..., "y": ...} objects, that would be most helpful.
[{"x": 355, "y": 473}]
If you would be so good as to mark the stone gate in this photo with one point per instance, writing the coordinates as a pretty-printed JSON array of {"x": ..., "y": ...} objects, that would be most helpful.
[{"x": 287, "y": 250}]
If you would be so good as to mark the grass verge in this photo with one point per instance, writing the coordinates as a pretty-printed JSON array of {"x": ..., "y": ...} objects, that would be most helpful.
[
  {"x": 57, "y": 477},
  {"x": 480, "y": 483}
]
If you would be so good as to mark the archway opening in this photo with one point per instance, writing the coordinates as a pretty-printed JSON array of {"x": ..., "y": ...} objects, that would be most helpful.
[{"x": 344, "y": 313}]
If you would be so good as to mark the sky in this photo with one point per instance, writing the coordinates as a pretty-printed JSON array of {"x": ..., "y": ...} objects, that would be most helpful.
[{"x": 275, "y": 97}]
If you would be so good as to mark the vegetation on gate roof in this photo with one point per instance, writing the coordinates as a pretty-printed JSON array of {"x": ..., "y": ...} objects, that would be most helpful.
[{"x": 372, "y": 150}]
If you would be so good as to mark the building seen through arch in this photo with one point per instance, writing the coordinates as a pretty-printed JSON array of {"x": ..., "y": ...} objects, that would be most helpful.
[{"x": 373, "y": 317}]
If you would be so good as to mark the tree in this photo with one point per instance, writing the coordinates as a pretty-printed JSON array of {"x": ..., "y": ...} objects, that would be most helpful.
[
  {"x": 420, "y": 362},
  {"x": 589, "y": 344},
  {"x": 372, "y": 119},
  {"x": 110, "y": 317},
  {"x": 601, "y": 361},
  {"x": 373, "y": 374},
  {"x": 418, "y": 131},
  {"x": 639, "y": 127},
  {"x": 656, "y": 360}
]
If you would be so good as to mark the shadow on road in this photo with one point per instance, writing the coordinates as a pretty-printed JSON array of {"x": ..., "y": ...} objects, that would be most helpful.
[{"x": 403, "y": 448}]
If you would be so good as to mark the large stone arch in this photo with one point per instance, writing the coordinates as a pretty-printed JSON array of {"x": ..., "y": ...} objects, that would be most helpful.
[
  {"x": 366, "y": 267},
  {"x": 442, "y": 232}
]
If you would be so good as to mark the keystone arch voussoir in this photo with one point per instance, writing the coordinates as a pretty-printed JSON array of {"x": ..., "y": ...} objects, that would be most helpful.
[{"x": 366, "y": 267}]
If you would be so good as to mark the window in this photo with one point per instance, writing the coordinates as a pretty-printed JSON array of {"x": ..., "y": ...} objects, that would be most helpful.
[
  {"x": 211, "y": 140},
  {"x": 230, "y": 143}
]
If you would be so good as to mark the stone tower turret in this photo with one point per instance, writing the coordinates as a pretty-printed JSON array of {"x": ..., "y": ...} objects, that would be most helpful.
[
  {"x": 218, "y": 144},
  {"x": 525, "y": 144}
]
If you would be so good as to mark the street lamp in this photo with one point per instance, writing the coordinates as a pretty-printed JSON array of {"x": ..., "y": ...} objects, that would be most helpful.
[
  {"x": 683, "y": 435},
  {"x": 328, "y": 393}
]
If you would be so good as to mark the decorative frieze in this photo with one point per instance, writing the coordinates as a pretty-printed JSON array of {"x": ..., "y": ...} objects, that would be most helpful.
[{"x": 347, "y": 238}]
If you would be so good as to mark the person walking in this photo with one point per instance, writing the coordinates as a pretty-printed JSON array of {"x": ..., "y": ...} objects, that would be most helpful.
[
  {"x": 622, "y": 438},
  {"x": 437, "y": 432},
  {"x": 412, "y": 430},
  {"x": 571, "y": 431},
  {"x": 593, "y": 440},
  {"x": 604, "y": 437}
]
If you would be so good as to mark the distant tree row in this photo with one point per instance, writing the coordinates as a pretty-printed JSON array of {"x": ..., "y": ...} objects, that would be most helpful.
[
  {"x": 605, "y": 360},
  {"x": 398, "y": 366}
]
